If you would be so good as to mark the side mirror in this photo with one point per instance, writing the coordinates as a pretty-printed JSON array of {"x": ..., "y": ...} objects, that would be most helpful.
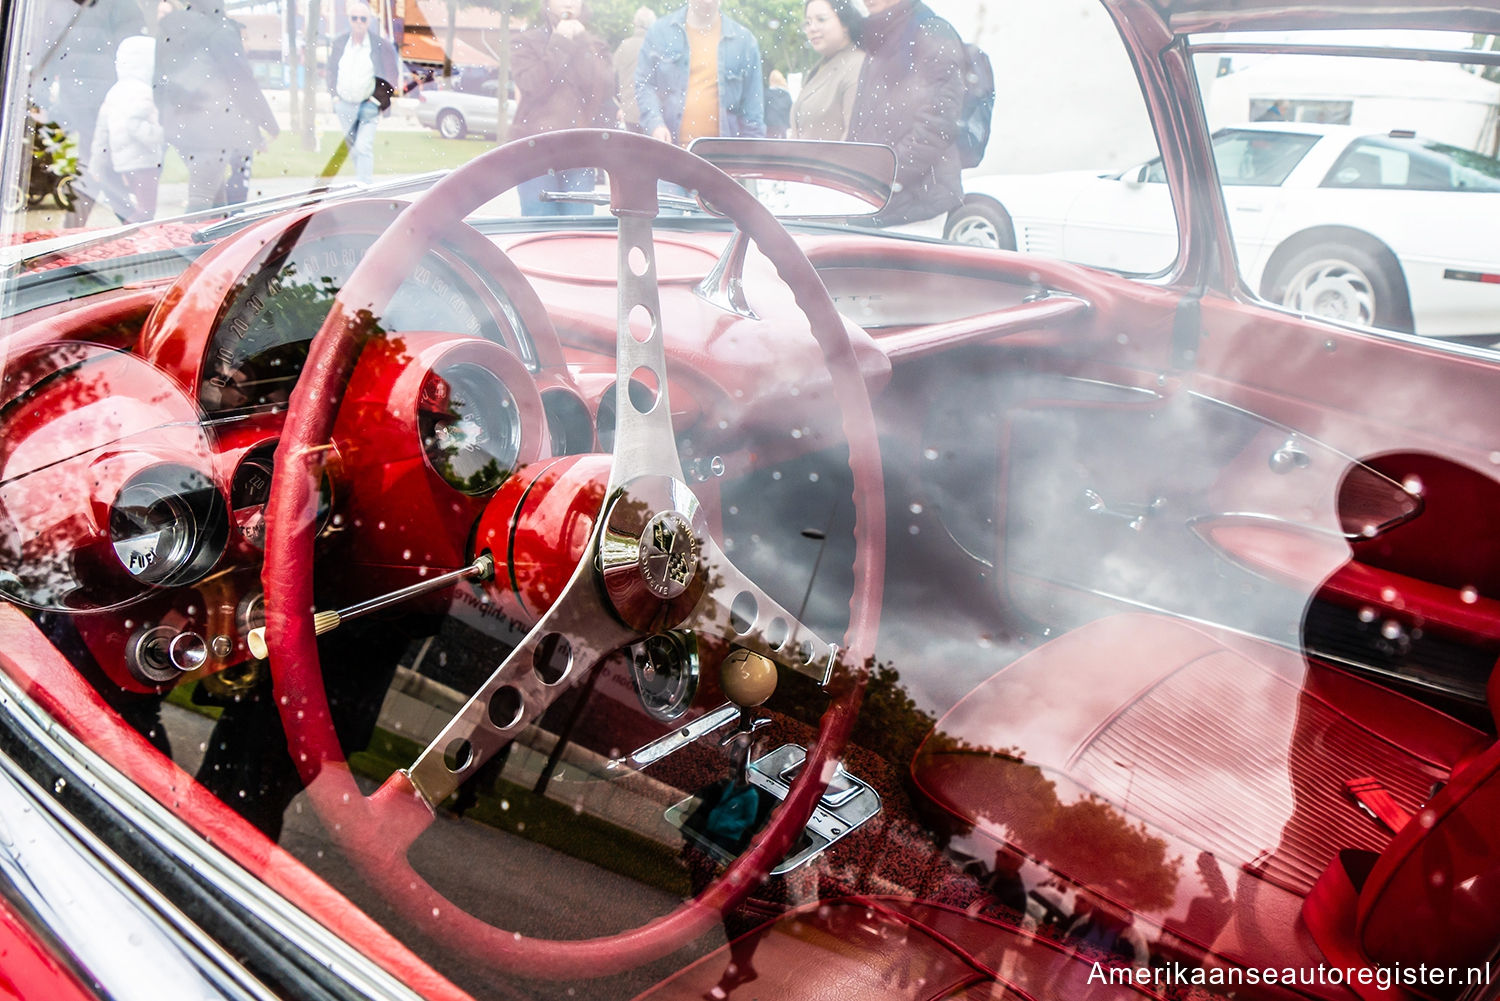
[{"x": 1136, "y": 177}]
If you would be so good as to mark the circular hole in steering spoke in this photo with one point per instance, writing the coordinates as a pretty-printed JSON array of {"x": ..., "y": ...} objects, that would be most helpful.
[
  {"x": 807, "y": 652},
  {"x": 506, "y": 706},
  {"x": 458, "y": 755},
  {"x": 642, "y": 324},
  {"x": 777, "y": 632},
  {"x": 743, "y": 612},
  {"x": 638, "y": 262},
  {"x": 552, "y": 658},
  {"x": 645, "y": 390}
]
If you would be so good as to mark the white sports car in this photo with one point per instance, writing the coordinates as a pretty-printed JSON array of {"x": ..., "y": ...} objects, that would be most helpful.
[{"x": 1373, "y": 229}]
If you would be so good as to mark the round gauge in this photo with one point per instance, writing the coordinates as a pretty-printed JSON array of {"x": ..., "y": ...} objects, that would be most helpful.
[
  {"x": 568, "y": 422},
  {"x": 664, "y": 668},
  {"x": 470, "y": 427},
  {"x": 250, "y": 492},
  {"x": 264, "y": 333},
  {"x": 151, "y": 530},
  {"x": 167, "y": 525}
]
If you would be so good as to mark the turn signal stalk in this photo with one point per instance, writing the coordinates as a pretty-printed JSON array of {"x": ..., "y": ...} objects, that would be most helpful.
[{"x": 327, "y": 621}]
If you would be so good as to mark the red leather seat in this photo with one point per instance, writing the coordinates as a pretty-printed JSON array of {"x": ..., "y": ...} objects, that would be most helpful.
[
  {"x": 1140, "y": 739},
  {"x": 891, "y": 948}
]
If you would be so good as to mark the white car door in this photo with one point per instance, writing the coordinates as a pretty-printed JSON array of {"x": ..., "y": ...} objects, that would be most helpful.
[{"x": 1123, "y": 222}]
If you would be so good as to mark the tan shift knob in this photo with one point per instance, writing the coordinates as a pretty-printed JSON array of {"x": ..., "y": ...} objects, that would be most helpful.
[{"x": 748, "y": 679}]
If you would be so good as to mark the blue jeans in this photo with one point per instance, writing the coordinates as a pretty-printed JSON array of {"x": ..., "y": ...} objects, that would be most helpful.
[
  {"x": 365, "y": 114},
  {"x": 576, "y": 179}
]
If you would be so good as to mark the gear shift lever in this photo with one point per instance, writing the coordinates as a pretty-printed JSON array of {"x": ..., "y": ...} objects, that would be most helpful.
[{"x": 748, "y": 680}]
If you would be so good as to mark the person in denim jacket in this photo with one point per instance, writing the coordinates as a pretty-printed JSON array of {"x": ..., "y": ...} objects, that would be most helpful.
[{"x": 699, "y": 74}]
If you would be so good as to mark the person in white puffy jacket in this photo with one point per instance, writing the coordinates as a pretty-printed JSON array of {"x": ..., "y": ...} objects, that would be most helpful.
[{"x": 128, "y": 137}]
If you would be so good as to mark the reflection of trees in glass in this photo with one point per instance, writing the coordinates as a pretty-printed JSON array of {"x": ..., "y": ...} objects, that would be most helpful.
[
  {"x": 1088, "y": 841},
  {"x": 259, "y": 350},
  {"x": 485, "y": 478}
]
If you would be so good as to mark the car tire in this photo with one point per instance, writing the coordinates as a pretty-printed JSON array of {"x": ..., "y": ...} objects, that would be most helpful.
[
  {"x": 981, "y": 222},
  {"x": 451, "y": 124},
  {"x": 64, "y": 194},
  {"x": 1350, "y": 283}
]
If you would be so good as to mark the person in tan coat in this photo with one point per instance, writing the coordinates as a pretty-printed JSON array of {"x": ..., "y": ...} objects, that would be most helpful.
[{"x": 825, "y": 105}]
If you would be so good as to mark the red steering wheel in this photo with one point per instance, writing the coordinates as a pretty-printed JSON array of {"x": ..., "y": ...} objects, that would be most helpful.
[{"x": 647, "y": 491}]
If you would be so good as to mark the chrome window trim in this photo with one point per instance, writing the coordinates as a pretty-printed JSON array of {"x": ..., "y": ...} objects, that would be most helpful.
[
  {"x": 71, "y": 885},
  {"x": 178, "y": 840}
]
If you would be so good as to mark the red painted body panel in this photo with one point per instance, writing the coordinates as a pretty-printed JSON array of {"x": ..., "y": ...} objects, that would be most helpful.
[
  {"x": 537, "y": 527},
  {"x": 29, "y": 971}
]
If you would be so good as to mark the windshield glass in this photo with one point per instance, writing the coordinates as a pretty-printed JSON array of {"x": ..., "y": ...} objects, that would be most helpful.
[{"x": 770, "y": 499}]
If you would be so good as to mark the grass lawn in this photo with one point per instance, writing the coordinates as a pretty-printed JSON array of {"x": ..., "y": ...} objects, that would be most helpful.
[{"x": 396, "y": 152}]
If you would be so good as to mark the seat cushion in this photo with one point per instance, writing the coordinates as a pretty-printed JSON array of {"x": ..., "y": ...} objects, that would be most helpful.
[{"x": 1231, "y": 746}]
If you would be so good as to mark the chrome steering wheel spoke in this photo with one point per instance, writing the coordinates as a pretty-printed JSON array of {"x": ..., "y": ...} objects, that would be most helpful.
[
  {"x": 567, "y": 643},
  {"x": 645, "y": 441},
  {"x": 734, "y": 606}
]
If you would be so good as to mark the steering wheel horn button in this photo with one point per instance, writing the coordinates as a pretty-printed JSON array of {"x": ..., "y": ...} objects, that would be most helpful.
[
  {"x": 651, "y": 554},
  {"x": 668, "y": 555}
]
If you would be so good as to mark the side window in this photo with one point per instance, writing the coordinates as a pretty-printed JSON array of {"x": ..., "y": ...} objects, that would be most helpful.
[
  {"x": 1363, "y": 166},
  {"x": 1090, "y": 191},
  {"x": 1283, "y": 109},
  {"x": 1406, "y": 162},
  {"x": 1257, "y": 157},
  {"x": 1360, "y": 178}
]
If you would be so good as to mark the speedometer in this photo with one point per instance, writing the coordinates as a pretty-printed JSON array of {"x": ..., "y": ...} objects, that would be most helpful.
[
  {"x": 263, "y": 337},
  {"x": 263, "y": 293}
]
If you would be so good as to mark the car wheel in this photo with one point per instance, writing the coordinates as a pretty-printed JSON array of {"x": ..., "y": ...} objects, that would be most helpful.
[
  {"x": 980, "y": 222},
  {"x": 1344, "y": 282},
  {"x": 451, "y": 125},
  {"x": 64, "y": 195}
]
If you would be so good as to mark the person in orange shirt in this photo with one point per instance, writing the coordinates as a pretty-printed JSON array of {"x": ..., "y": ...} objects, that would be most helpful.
[{"x": 699, "y": 74}]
